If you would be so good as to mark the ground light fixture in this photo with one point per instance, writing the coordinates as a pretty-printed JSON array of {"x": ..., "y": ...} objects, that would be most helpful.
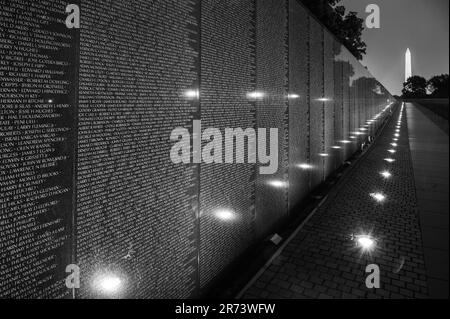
[
  {"x": 366, "y": 243},
  {"x": 386, "y": 174},
  {"x": 389, "y": 160},
  {"x": 379, "y": 197}
]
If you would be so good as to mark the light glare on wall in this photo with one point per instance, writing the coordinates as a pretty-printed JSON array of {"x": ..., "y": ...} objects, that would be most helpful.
[
  {"x": 278, "y": 184},
  {"x": 306, "y": 166},
  {"x": 255, "y": 95},
  {"x": 225, "y": 215},
  {"x": 192, "y": 94},
  {"x": 108, "y": 284}
]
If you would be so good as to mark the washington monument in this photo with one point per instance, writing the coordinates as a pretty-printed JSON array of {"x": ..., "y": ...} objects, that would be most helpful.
[{"x": 408, "y": 65}]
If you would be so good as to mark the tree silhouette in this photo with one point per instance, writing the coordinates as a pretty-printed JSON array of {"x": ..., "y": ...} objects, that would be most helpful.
[
  {"x": 415, "y": 87},
  {"x": 438, "y": 86},
  {"x": 347, "y": 27}
]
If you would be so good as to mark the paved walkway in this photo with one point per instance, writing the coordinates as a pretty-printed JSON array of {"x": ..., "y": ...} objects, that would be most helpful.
[
  {"x": 429, "y": 150},
  {"x": 323, "y": 259}
]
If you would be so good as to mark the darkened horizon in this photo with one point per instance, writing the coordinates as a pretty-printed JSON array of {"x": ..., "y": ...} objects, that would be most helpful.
[{"x": 422, "y": 26}]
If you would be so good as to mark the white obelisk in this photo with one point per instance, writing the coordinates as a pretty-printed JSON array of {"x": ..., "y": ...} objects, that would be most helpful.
[{"x": 408, "y": 65}]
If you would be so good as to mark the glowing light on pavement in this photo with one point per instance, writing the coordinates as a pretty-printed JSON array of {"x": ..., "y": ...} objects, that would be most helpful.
[
  {"x": 378, "y": 197},
  {"x": 386, "y": 174},
  {"x": 366, "y": 243}
]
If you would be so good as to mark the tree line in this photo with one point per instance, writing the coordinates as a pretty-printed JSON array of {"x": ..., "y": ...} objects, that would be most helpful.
[
  {"x": 419, "y": 87},
  {"x": 346, "y": 26}
]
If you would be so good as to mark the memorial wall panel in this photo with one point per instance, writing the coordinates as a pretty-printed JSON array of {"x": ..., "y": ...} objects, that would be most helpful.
[
  {"x": 272, "y": 109},
  {"x": 317, "y": 102},
  {"x": 228, "y": 64},
  {"x": 354, "y": 116},
  {"x": 329, "y": 113},
  {"x": 37, "y": 147},
  {"x": 367, "y": 99},
  {"x": 360, "y": 85},
  {"x": 346, "y": 75},
  {"x": 299, "y": 158},
  {"x": 136, "y": 215},
  {"x": 339, "y": 131},
  {"x": 356, "y": 104}
]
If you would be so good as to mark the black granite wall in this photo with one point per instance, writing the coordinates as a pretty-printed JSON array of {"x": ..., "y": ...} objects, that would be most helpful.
[{"x": 85, "y": 123}]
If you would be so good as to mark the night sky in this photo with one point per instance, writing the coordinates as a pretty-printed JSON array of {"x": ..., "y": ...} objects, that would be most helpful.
[{"x": 421, "y": 25}]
